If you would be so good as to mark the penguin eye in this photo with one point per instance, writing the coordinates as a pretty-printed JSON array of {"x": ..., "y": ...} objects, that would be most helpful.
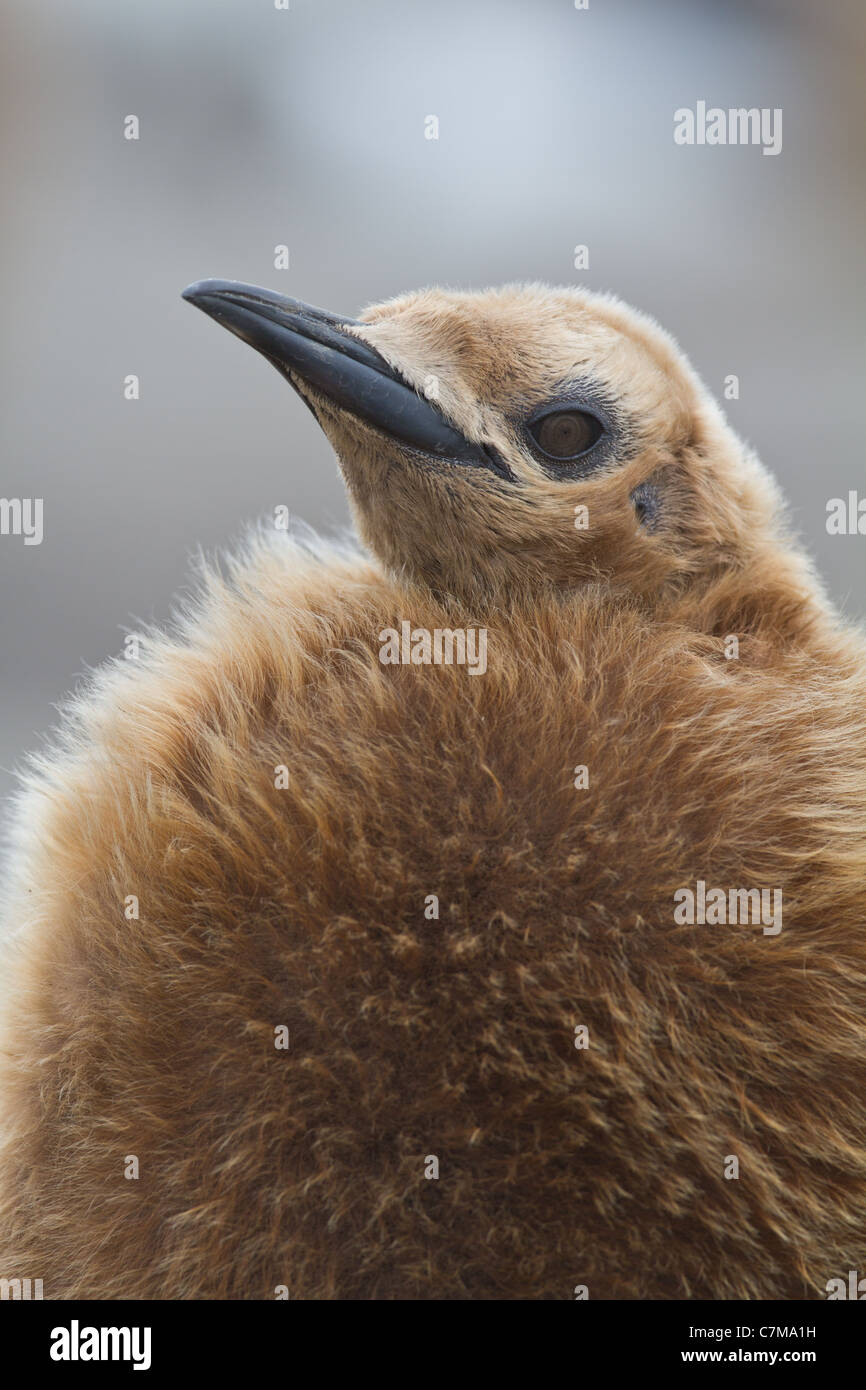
[{"x": 566, "y": 434}]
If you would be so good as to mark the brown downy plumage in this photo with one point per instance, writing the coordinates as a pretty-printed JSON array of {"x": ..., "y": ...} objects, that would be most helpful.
[{"x": 582, "y": 1065}]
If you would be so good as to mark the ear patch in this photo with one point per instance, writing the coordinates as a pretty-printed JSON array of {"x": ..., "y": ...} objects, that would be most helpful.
[{"x": 646, "y": 500}]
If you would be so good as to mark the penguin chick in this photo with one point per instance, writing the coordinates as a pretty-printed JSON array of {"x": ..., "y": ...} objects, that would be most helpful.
[{"x": 337, "y": 970}]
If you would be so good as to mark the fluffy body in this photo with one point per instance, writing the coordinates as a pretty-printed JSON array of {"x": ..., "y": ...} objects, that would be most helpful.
[{"x": 410, "y": 1037}]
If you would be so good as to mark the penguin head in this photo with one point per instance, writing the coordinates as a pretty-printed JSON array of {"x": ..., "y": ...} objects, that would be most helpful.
[{"x": 518, "y": 440}]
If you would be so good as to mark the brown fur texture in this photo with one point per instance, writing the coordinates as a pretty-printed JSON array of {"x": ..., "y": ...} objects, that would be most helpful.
[{"x": 455, "y": 1038}]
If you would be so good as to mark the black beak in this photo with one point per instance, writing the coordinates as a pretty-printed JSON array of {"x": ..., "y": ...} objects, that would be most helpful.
[{"x": 313, "y": 346}]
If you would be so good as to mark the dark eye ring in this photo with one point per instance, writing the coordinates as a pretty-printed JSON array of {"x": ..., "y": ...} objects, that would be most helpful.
[{"x": 566, "y": 434}]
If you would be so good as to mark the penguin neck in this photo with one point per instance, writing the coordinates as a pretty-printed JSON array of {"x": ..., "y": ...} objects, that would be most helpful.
[{"x": 774, "y": 596}]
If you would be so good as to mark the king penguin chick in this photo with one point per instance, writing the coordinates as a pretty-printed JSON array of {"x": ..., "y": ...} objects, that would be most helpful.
[{"x": 343, "y": 971}]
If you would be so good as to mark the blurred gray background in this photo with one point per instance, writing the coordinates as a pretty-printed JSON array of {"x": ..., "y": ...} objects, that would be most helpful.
[{"x": 306, "y": 127}]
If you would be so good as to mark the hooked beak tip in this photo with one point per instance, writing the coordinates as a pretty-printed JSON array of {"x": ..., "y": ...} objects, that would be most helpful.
[{"x": 200, "y": 289}]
